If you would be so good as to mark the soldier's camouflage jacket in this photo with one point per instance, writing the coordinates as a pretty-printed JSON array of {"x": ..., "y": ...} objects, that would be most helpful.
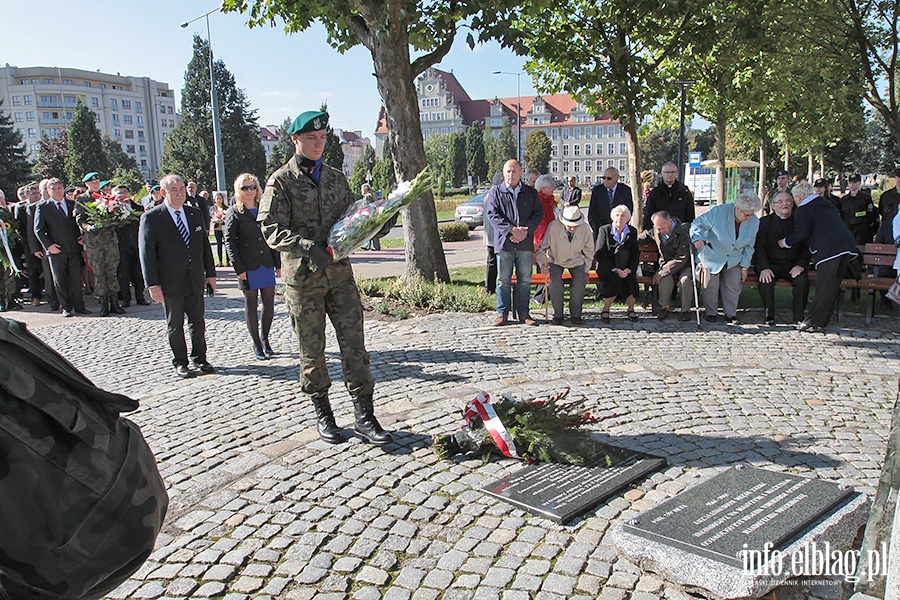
[
  {"x": 295, "y": 214},
  {"x": 81, "y": 499}
]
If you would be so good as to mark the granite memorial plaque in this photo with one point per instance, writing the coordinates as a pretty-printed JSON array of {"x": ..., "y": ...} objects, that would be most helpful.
[
  {"x": 562, "y": 492},
  {"x": 736, "y": 515}
]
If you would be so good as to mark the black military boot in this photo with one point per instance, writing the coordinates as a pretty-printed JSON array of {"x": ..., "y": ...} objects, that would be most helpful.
[
  {"x": 104, "y": 306},
  {"x": 114, "y": 306},
  {"x": 367, "y": 426},
  {"x": 328, "y": 430}
]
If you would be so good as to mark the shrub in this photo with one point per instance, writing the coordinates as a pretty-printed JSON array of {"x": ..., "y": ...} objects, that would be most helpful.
[
  {"x": 382, "y": 308},
  {"x": 402, "y": 313},
  {"x": 453, "y": 232},
  {"x": 371, "y": 287}
]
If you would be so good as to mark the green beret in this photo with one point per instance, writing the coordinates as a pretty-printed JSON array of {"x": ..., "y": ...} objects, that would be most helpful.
[
  {"x": 104, "y": 183},
  {"x": 311, "y": 120},
  {"x": 90, "y": 176},
  {"x": 154, "y": 188}
]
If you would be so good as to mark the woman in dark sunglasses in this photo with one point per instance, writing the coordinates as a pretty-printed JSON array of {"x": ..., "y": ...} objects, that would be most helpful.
[{"x": 255, "y": 263}]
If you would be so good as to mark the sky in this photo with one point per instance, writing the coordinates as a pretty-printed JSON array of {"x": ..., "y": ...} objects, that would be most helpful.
[{"x": 283, "y": 75}]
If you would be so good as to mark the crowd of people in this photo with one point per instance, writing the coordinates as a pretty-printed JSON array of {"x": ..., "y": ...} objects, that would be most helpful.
[{"x": 804, "y": 226}]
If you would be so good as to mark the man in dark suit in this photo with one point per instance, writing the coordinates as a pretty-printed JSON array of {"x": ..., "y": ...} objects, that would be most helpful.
[
  {"x": 59, "y": 236},
  {"x": 177, "y": 260},
  {"x": 198, "y": 202},
  {"x": 606, "y": 197},
  {"x": 890, "y": 200},
  {"x": 571, "y": 195},
  {"x": 671, "y": 196},
  {"x": 772, "y": 262}
]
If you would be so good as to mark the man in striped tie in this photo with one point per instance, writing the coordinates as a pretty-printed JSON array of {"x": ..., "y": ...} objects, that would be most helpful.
[{"x": 177, "y": 263}]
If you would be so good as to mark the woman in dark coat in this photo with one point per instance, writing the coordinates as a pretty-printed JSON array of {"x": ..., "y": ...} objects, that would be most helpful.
[
  {"x": 617, "y": 261},
  {"x": 255, "y": 263}
]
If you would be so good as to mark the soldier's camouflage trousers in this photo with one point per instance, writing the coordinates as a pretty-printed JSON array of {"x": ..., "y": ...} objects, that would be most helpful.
[
  {"x": 102, "y": 247},
  {"x": 333, "y": 292}
]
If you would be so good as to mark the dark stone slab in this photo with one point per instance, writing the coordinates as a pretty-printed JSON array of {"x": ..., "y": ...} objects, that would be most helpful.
[
  {"x": 562, "y": 492},
  {"x": 882, "y": 530},
  {"x": 733, "y": 516}
]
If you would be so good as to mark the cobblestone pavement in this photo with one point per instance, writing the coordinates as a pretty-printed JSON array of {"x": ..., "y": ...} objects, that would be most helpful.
[{"x": 261, "y": 509}]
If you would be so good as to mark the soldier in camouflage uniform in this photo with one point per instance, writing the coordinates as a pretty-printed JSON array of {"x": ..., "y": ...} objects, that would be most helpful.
[
  {"x": 102, "y": 249},
  {"x": 8, "y": 283},
  {"x": 302, "y": 201}
]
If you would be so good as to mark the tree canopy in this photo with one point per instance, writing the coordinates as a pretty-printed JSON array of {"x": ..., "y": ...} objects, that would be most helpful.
[
  {"x": 189, "y": 149},
  {"x": 85, "y": 147},
  {"x": 14, "y": 166}
]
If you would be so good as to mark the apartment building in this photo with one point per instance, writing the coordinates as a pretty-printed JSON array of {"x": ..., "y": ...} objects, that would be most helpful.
[{"x": 138, "y": 112}]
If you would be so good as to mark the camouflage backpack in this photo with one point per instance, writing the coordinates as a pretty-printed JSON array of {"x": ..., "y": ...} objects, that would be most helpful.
[{"x": 81, "y": 499}]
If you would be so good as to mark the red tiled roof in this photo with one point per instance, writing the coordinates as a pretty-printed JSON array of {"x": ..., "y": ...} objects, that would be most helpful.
[
  {"x": 267, "y": 135},
  {"x": 559, "y": 106},
  {"x": 453, "y": 86},
  {"x": 349, "y": 136}
]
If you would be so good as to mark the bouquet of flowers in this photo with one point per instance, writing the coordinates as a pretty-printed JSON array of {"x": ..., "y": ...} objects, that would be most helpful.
[
  {"x": 363, "y": 220},
  {"x": 107, "y": 211},
  {"x": 538, "y": 430},
  {"x": 9, "y": 235}
]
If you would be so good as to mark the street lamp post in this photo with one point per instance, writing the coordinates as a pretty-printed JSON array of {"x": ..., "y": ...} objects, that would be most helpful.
[
  {"x": 684, "y": 83},
  {"x": 217, "y": 132},
  {"x": 518, "y": 110}
]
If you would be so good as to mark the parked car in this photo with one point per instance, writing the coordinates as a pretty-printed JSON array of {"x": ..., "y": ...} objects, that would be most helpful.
[{"x": 471, "y": 212}]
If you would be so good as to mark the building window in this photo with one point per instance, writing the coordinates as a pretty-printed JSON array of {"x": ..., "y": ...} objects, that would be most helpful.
[
  {"x": 129, "y": 148},
  {"x": 553, "y": 150},
  {"x": 102, "y": 86},
  {"x": 565, "y": 133},
  {"x": 577, "y": 165},
  {"x": 70, "y": 101},
  {"x": 115, "y": 118},
  {"x": 29, "y": 115},
  {"x": 140, "y": 135},
  {"x": 117, "y": 133},
  {"x": 126, "y": 104},
  {"x": 49, "y": 81},
  {"x": 114, "y": 104},
  {"x": 87, "y": 84},
  {"x": 587, "y": 149},
  {"x": 621, "y": 132},
  {"x": 143, "y": 162},
  {"x": 610, "y": 164},
  {"x": 18, "y": 117},
  {"x": 27, "y": 98},
  {"x": 49, "y": 115},
  {"x": 70, "y": 116},
  {"x": 164, "y": 94},
  {"x": 138, "y": 107},
  {"x": 587, "y": 180},
  {"x": 610, "y": 131},
  {"x": 142, "y": 148},
  {"x": 52, "y": 132},
  {"x": 95, "y": 103},
  {"x": 565, "y": 149},
  {"x": 588, "y": 133},
  {"x": 424, "y": 116},
  {"x": 129, "y": 134},
  {"x": 554, "y": 166},
  {"x": 17, "y": 100},
  {"x": 128, "y": 119},
  {"x": 622, "y": 165},
  {"x": 576, "y": 149},
  {"x": 565, "y": 166},
  {"x": 67, "y": 82},
  {"x": 32, "y": 132},
  {"x": 576, "y": 131},
  {"x": 610, "y": 148},
  {"x": 162, "y": 109},
  {"x": 587, "y": 167},
  {"x": 140, "y": 121},
  {"x": 171, "y": 110},
  {"x": 96, "y": 117},
  {"x": 554, "y": 133}
]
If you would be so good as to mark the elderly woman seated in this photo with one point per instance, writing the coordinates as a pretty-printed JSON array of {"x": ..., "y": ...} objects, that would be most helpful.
[
  {"x": 617, "y": 261},
  {"x": 567, "y": 244},
  {"x": 725, "y": 236}
]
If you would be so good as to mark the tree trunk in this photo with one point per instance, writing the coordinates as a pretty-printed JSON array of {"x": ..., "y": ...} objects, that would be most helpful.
[
  {"x": 761, "y": 188},
  {"x": 822, "y": 163},
  {"x": 721, "y": 124},
  {"x": 390, "y": 55},
  {"x": 810, "y": 165},
  {"x": 634, "y": 171},
  {"x": 787, "y": 155}
]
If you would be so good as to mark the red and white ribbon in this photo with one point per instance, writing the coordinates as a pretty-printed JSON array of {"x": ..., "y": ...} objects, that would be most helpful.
[{"x": 480, "y": 406}]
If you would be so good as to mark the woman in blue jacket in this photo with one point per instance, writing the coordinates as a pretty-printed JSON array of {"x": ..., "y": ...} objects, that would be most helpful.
[{"x": 725, "y": 236}]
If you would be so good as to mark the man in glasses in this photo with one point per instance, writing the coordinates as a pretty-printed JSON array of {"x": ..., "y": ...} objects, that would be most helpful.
[
  {"x": 671, "y": 196},
  {"x": 772, "y": 262},
  {"x": 606, "y": 196}
]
